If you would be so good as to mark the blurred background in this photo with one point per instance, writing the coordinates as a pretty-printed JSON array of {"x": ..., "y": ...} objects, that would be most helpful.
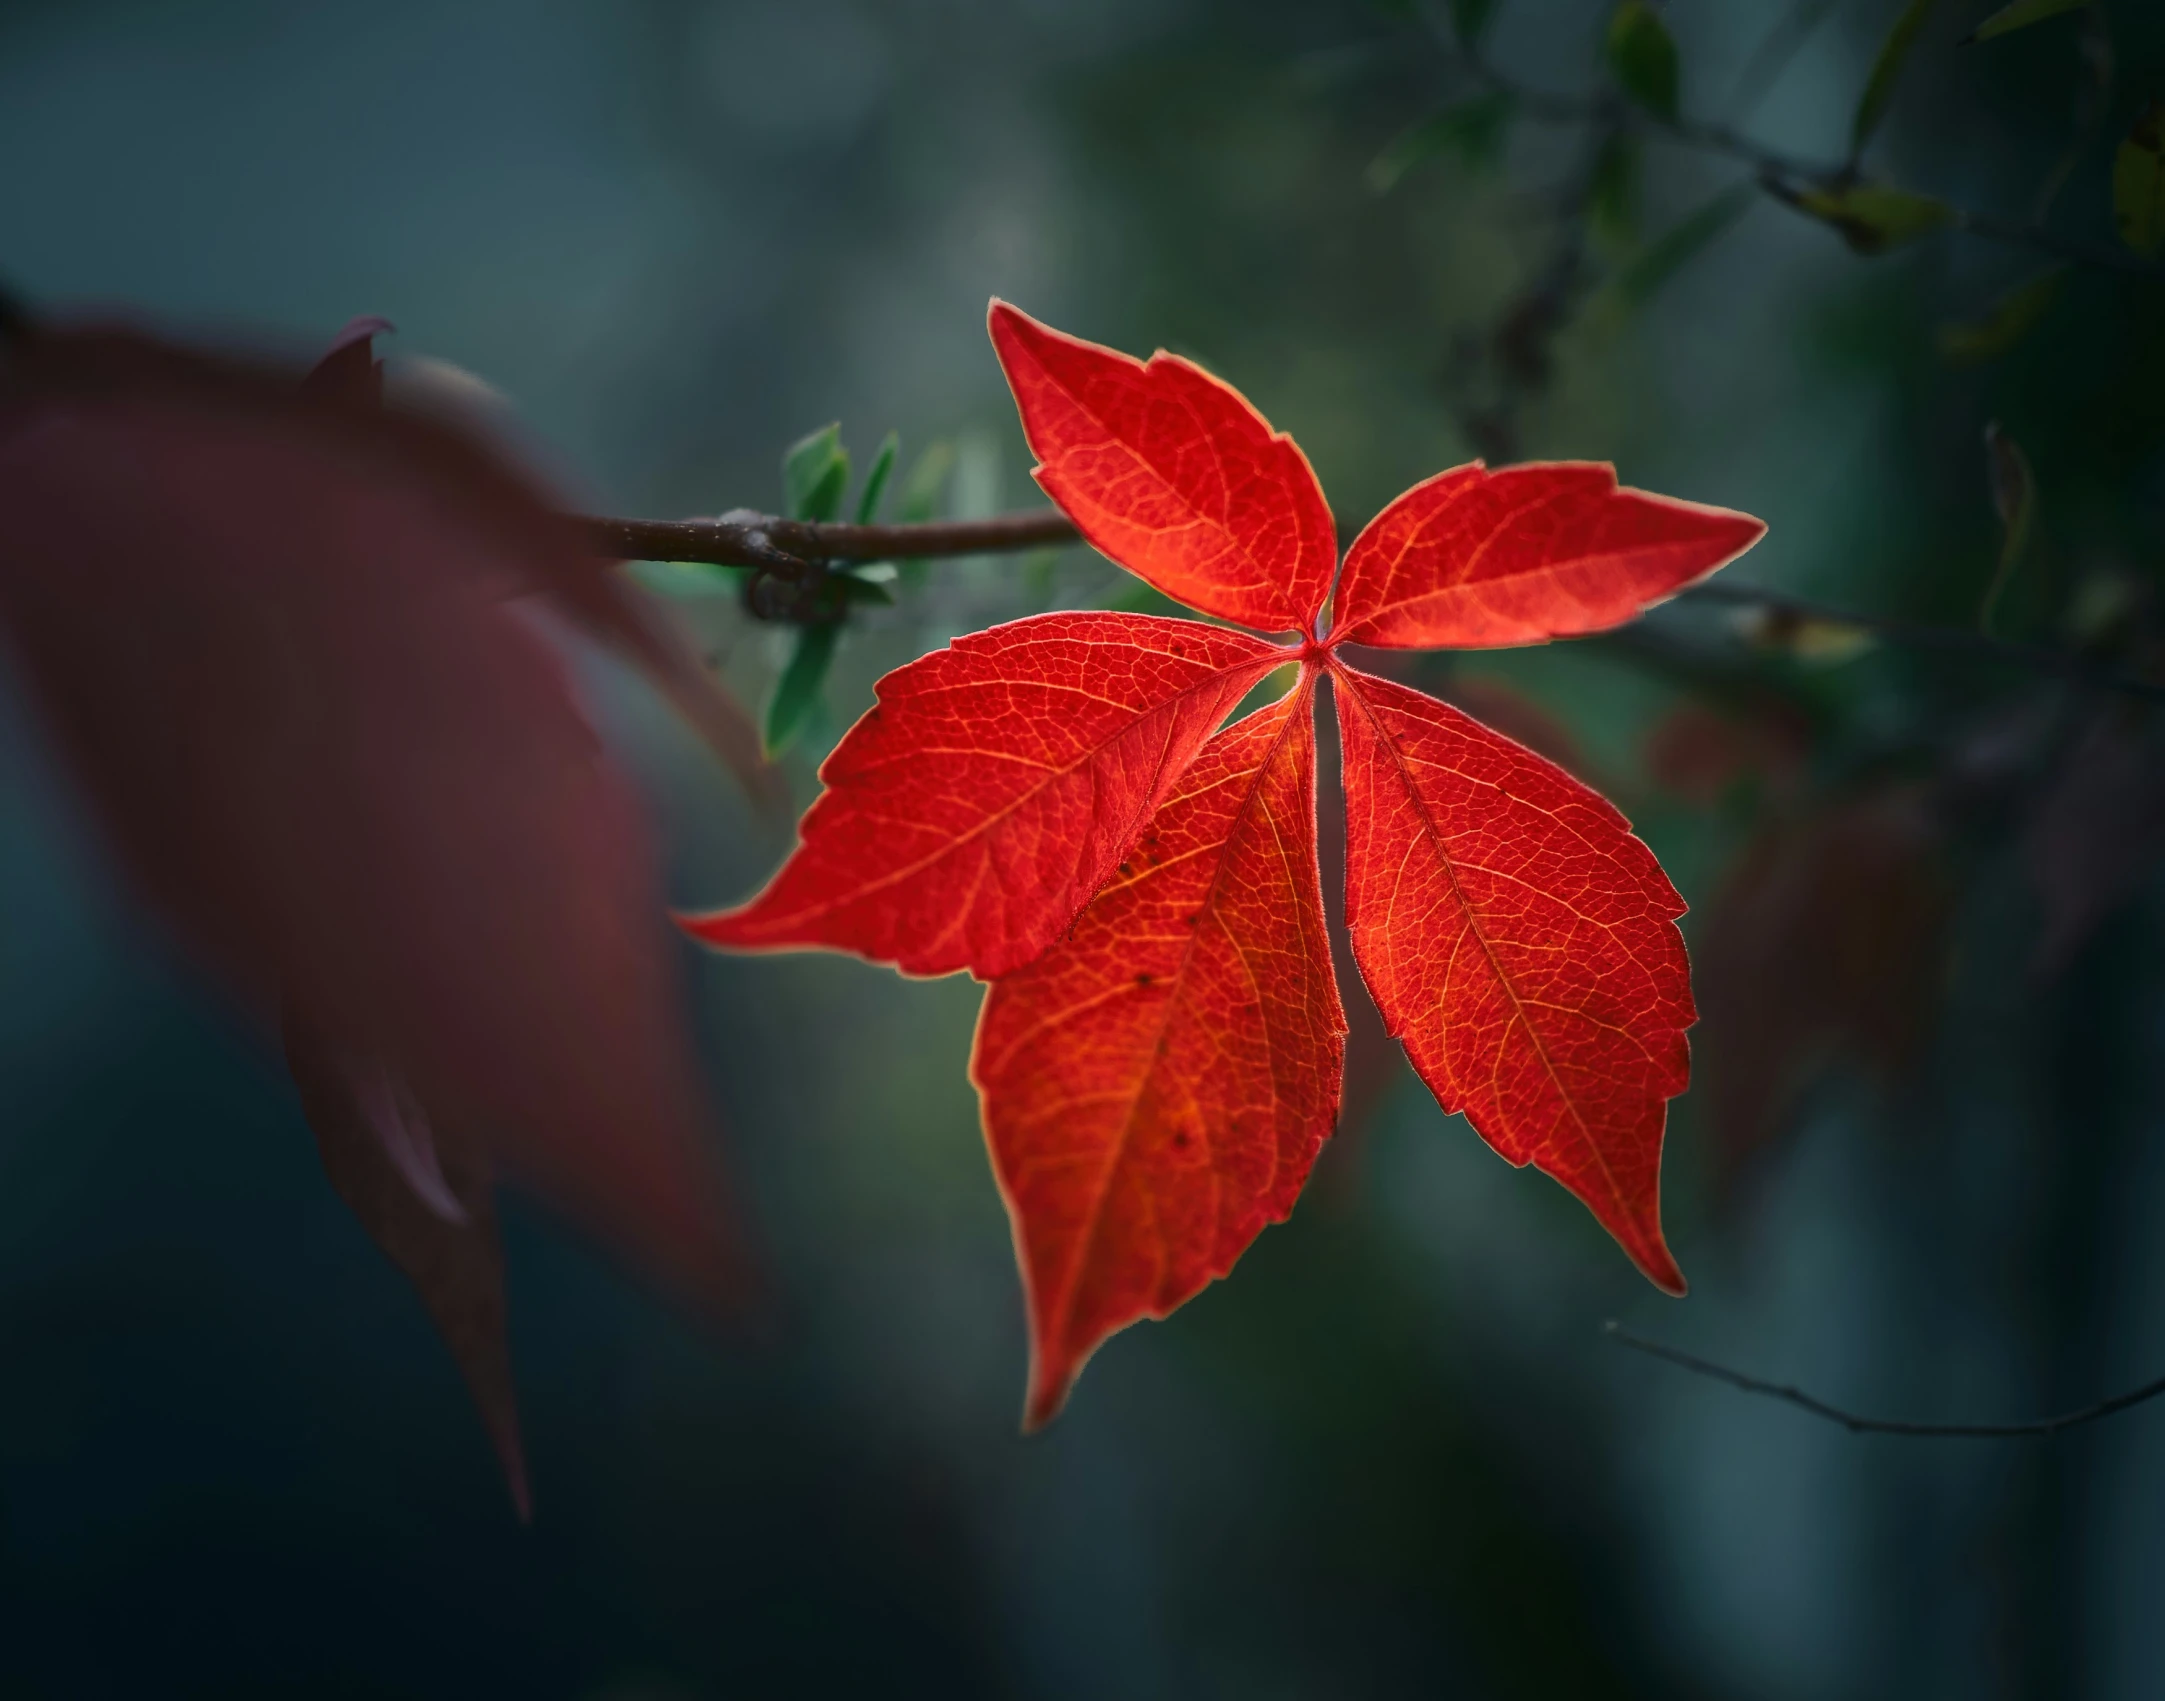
[{"x": 1394, "y": 1455}]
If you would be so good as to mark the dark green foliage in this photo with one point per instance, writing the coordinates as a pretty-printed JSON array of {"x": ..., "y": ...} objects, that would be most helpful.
[
  {"x": 2138, "y": 182},
  {"x": 1642, "y": 54},
  {"x": 1886, "y": 72}
]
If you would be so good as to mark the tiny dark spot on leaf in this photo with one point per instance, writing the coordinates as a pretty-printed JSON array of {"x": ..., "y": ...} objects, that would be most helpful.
[{"x": 1142, "y": 980}]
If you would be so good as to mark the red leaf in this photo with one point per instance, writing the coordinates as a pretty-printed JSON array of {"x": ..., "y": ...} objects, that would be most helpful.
[
  {"x": 1173, "y": 475},
  {"x": 1157, "y": 1085},
  {"x": 1158, "y": 1071},
  {"x": 1475, "y": 559},
  {"x": 269, "y": 633},
  {"x": 434, "y": 1216},
  {"x": 2098, "y": 831},
  {"x": 974, "y": 810},
  {"x": 1827, "y": 939},
  {"x": 1523, "y": 945},
  {"x": 607, "y": 605}
]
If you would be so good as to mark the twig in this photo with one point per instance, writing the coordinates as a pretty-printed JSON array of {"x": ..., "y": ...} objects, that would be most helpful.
[
  {"x": 792, "y": 549},
  {"x": 796, "y": 550},
  {"x": 1879, "y": 1426},
  {"x": 1773, "y": 166},
  {"x": 1918, "y": 634}
]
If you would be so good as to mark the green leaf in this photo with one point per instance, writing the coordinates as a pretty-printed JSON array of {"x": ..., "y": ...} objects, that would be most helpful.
[
  {"x": 1474, "y": 130},
  {"x": 868, "y": 583},
  {"x": 1642, "y": 54},
  {"x": 687, "y": 580},
  {"x": 1886, "y": 71},
  {"x": 1681, "y": 243},
  {"x": 814, "y": 474},
  {"x": 2005, "y": 323},
  {"x": 1872, "y": 217},
  {"x": 920, "y": 499},
  {"x": 1470, "y": 19},
  {"x": 2020, "y": 13},
  {"x": 2014, "y": 498},
  {"x": 1612, "y": 191},
  {"x": 797, "y": 693},
  {"x": 875, "y": 479},
  {"x": 2138, "y": 182}
]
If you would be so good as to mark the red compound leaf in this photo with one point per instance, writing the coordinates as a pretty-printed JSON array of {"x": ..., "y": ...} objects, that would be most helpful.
[
  {"x": 1472, "y": 559},
  {"x": 1162, "y": 1049},
  {"x": 1172, "y": 474},
  {"x": 1157, "y": 1085},
  {"x": 974, "y": 810}
]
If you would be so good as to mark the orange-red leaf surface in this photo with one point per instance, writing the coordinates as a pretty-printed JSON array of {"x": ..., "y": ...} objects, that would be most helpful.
[
  {"x": 1475, "y": 559},
  {"x": 1524, "y": 947},
  {"x": 1162, "y": 1050},
  {"x": 1157, "y": 1085},
  {"x": 993, "y": 787},
  {"x": 1172, "y": 474}
]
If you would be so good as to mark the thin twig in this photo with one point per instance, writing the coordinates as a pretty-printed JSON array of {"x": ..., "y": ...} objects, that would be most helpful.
[
  {"x": 1918, "y": 634},
  {"x": 1857, "y": 1425},
  {"x": 790, "y": 549},
  {"x": 1773, "y": 166},
  {"x": 793, "y": 550}
]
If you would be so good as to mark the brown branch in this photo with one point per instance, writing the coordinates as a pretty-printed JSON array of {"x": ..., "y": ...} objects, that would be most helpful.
[
  {"x": 1857, "y": 1425},
  {"x": 798, "y": 550},
  {"x": 793, "y": 549}
]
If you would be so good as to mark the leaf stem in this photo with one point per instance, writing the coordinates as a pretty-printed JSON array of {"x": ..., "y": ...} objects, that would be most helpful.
[{"x": 1858, "y": 1425}]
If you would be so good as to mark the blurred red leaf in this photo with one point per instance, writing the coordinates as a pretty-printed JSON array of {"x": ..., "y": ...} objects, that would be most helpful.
[
  {"x": 274, "y": 635},
  {"x": 1158, "y": 1070},
  {"x": 429, "y": 1203},
  {"x": 1698, "y": 753},
  {"x": 2098, "y": 831},
  {"x": 1826, "y": 942}
]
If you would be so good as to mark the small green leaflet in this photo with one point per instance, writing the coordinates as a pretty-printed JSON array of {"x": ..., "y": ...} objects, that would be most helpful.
[
  {"x": 1886, "y": 71},
  {"x": 2021, "y": 12},
  {"x": 1473, "y": 130},
  {"x": 798, "y": 691},
  {"x": 1872, "y": 217},
  {"x": 1612, "y": 192},
  {"x": 1642, "y": 54},
  {"x": 2138, "y": 182},
  {"x": 815, "y": 472},
  {"x": 875, "y": 479},
  {"x": 920, "y": 498}
]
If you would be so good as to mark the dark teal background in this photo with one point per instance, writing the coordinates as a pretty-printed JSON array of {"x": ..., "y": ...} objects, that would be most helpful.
[{"x": 1392, "y": 1456}]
